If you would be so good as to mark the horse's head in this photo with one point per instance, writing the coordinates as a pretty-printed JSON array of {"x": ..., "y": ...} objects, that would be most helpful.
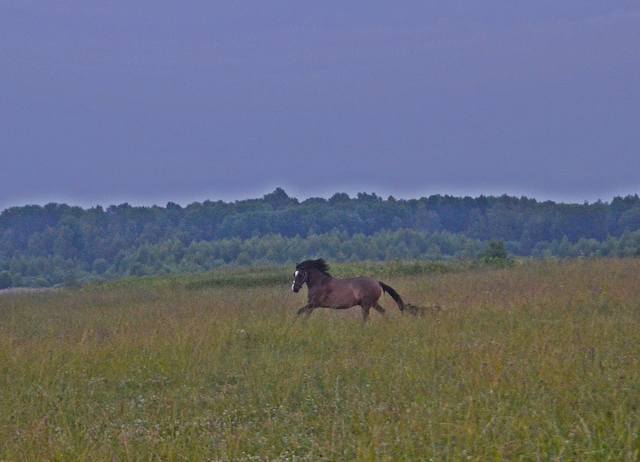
[
  {"x": 304, "y": 270},
  {"x": 299, "y": 278}
]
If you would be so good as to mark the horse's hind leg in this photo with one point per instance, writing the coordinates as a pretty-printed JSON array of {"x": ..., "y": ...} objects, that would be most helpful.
[
  {"x": 379, "y": 309},
  {"x": 365, "y": 313}
]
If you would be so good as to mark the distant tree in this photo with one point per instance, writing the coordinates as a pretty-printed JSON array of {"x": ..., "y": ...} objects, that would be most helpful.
[
  {"x": 630, "y": 219},
  {"x": 100, "y": 265},
  {"x": 6, "y": 280},
  {"x": 338, "y": 198},
  {"x": 279, "y": 199}
]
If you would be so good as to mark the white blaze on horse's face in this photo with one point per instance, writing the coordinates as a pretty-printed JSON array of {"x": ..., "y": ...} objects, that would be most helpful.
[{"x": 293, "y": 285}]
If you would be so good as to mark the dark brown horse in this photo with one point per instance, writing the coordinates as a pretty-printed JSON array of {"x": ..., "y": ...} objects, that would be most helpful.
[{"x": 326, "y": 291}]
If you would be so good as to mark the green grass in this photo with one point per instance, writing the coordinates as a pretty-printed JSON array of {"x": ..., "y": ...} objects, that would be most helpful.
[
  {"x": 536, "y": 362},
  {"x": 247, "y": 276}
]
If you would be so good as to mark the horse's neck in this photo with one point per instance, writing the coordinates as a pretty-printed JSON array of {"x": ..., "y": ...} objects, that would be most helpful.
[{"x": 317, "y": 278}]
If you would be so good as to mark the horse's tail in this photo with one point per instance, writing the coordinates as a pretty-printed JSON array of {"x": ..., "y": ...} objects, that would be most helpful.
[{"x": 395, "y": 295}]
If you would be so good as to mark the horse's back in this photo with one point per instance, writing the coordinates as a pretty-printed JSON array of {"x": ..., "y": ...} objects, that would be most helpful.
[
  {"x": 366, "y": 289},
  {"x": 345, "y": 293}
]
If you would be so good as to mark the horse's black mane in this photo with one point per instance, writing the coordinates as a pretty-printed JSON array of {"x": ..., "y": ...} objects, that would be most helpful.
[{"x": 318, "y": 264}]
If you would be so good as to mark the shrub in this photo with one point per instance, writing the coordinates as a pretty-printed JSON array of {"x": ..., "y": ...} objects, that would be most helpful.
[{"x": 496, "y": 253}]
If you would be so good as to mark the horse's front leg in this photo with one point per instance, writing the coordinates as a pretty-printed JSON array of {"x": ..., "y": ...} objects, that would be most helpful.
[{"x": 305, "y": 309}]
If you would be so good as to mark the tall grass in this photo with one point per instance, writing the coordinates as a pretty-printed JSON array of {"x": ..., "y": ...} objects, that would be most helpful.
[{"x": 537, "y": 362}]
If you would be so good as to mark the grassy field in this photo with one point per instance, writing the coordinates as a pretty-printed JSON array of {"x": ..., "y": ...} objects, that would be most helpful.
[{"x": 536, "y": 362}]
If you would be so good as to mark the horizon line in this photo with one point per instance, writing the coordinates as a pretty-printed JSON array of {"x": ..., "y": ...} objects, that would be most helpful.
[{"x": 301, "y": 199}]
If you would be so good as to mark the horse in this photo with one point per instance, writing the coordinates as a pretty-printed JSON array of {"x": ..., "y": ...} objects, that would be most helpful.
[{"x": 325, "y": 291}]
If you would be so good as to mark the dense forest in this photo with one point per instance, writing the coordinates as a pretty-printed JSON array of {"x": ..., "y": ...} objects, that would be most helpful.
[{"x": 61, "y": 244}]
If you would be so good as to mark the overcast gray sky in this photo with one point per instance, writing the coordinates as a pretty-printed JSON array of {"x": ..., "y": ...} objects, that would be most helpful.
[{"x": 147, "y": 101}]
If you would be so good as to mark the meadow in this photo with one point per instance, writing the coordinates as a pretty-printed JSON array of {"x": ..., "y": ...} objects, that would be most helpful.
[{"x": 540, "y": 361}]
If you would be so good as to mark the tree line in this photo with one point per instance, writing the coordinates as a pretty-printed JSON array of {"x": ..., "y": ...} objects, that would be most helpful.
[{"x": 58, "y": 243}]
